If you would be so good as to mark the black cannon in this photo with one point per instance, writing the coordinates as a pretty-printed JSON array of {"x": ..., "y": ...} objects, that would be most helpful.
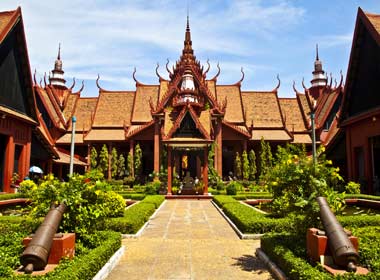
[
  {"x": 342, "y": 250},
  {"x": 36, "y": 254}
]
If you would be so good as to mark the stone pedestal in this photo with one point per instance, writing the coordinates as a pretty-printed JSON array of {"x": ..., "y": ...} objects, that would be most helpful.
[{"x": 62, "y": 247}]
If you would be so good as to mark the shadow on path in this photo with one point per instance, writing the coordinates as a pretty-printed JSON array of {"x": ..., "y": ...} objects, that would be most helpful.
[{"x": 250, "y": 263}]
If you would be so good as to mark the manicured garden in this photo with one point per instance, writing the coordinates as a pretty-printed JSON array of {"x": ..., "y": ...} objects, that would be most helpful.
[
  {"x": 97, "y": 214},
  {"x": 293, "y": 183}
]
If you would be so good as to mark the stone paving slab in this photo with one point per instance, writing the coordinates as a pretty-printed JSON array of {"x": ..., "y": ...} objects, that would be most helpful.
[{"x": 189, "y": 239}]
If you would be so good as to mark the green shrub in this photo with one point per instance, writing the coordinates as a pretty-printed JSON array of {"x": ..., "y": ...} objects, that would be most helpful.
[
  {"x": 12, "y": 196},
  {"x": 88, "y": 202},
  {"x": 134, "y": 217},
  {"x": 352, "y": 188},
  {"x": 153, "y": 187},
  {"x": 233, "y": 187},
  {"x": 133, "y": 196},
  {"x": 26, "y": 187},
  {"x": 129, "y": 181},
  {"x": 295, "y": 182},
  {"x": 359, "y": 221}
]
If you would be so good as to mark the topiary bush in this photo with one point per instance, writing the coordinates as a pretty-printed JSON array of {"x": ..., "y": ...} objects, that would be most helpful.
[{"x": 233, "y": 187}]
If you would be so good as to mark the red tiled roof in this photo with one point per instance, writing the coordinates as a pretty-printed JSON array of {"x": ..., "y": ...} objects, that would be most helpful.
[
  {"x": 7, "y": 20},
  {"x": 292, "y": 114},
  {"x": 64, "y": 158},
  {"x": 303, "y": 138},
  {"x": 69, "y": 106},
  {"x": 113, "y": 109},
  {"x": 375, "y": 20},
  {"x": 66, "y": 138},
  {"x": 234, "y": 110},
  {"x": 106, "y": 135},
  {"x": 262, "y": 109},
  {"x": 270, "y": 134},
  {"x": 141, "y": 107},
  {"x": 84, "y": 111}
]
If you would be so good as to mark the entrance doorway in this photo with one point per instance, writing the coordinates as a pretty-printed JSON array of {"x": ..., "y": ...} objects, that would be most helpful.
[
  {"x": 3, "y": 143},
  {"x": 188, "y": 160}
]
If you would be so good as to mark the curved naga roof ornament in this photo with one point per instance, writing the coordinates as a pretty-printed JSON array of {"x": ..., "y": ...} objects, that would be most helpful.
[
  {"x": 303, "y": 85},
  {"x": 134, "y": 77},
  {"x": 73, "y": 85},
  {"x": 341, "y": 79},
  {"x": 294, "y": 88},
  {"x": 238, "y": 83},
  {"x": 208, "y": 68},
  {"x": 34, "y": 76},
  {"x": 82, "y": 87},
  {"x": 217, "y": 74},
  {"x": 278, "y": 84},
  {"x": 97, "y": 84},
  {"x": 167, "y": 69},
  {"x": 45, "y": 79},
  {"x": 158, "y": 74}
]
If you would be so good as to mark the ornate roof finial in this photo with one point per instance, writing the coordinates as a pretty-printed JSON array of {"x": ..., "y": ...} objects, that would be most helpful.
[
  {"x": 57, "y": 78},
  {"x": 59, "y": 52},
  {"x": 317, "y": 57},
  {"x": 188, "y": 52}
]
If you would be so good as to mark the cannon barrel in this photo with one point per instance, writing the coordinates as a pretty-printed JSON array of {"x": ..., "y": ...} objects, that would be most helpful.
[
  {"x": 36, "y": 254},
  {"x": 342, "y": 250}
]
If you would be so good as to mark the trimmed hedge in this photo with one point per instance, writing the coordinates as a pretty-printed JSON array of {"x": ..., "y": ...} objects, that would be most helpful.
[
  {"x": 11, "y": 196},
  {"x": 295, "y": 266},
  {"x": 90, "y": 258},
  {"x": 362, "y": 196},
  {"x": 133, "y": 196},
  {"x": 359, "y": 221},
  {"x": 134, "y": 217},
  {"x": 257, "y": 195},
  {"x": 248, "y": 220},
  {"x": 290, "y": 255}
]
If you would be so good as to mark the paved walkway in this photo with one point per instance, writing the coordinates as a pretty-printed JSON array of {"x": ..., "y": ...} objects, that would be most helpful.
[{"x": 189, "y": 239}]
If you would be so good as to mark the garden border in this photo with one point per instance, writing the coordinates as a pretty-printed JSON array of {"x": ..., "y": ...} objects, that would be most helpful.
[
  {"x": 137, "y": 234},
  {"x": 110, "y": 264},
  {"x": 235, "y": 228},
  {"x": 273, "y": 268}
]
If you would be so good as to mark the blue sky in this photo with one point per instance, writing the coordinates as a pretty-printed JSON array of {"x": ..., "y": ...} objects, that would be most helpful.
[{"x": 265, "y": 37}]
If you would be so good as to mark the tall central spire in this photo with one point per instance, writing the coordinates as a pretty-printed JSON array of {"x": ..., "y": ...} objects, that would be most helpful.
[{"x": 188, "y": 49}]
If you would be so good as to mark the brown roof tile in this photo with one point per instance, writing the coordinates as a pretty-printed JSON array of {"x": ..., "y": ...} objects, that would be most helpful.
[
  {"x": 66, "y": 138},
  {"x": 205, "y": 120},
  {"x": 270, "y": 134},
  {"x": 211, "y": 87},
  {"x": 106, "y": 135},
  {"x": 375, "y": 20},
  {"x": 5, "y": 18},
  {"x": 70, "y": 103},
  {"x": 170, "y": 118},
  {"x": 323, "y": 110},
  {"x": 305, "y": 107},
  {"x": 84, "y": 111},
  {"x": 64, "y": 158},
  {"x": 164, "y": 86},
  {"x": 262, "y": 109},
  {"x": 302, "y": 138},
  {"x": 292, "y": 114},
  {"x": 114, "y": 109},
  {"x": 48, "y": 104},
  {"x": 141, "y": 107},
  {"x": 234, "y": 110}
]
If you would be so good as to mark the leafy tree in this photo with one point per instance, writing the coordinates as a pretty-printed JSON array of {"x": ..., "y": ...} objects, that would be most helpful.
[
  {"x": 114, "y": 162},
  {"x": 94, "y": 158},
  {"x": 103, "y": 159},
  {"x": 238, "y": 166},
  {"x": 138, "y": 161},
  {"x": 130, "y": 164},
  {"x": 252, "y": 165},
  {"x": 295, "y": 183},
  {"x": 121, "y": 166},
  {"x": 245, "y": 162},
  {"x": 214, "y": 178},
  {"x": 266, "y": 158}
]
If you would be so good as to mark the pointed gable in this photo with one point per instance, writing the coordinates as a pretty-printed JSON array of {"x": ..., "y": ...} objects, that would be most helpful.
[
  {"x": 16, "y": 90},
  {"x": 83, "y": 112},
  {"x": 234, "y": 109},
  {"x": 262, "y": 109},
  {"x": 114, "y": 109},
  {"x": 292, "y": 115},
  {"x": 141, "y": 108},
  {"x": 363, "y": 74}
]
